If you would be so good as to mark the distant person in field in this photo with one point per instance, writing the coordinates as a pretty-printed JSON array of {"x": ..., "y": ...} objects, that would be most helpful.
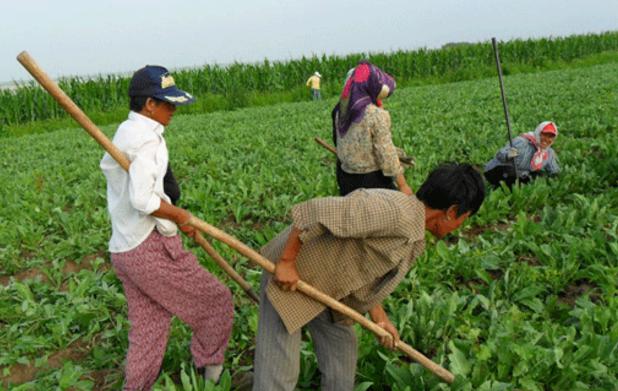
[
  {"x": 160, "y": 278},
  {"x": 314, "y": 84},
  {"x": 356, "y": 249},
  {"x": 366, "y": 155},
  {"x": 533, "y": 156}
]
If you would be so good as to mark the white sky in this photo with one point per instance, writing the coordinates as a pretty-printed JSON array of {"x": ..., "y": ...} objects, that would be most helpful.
[{"x": 84, "y": 37}]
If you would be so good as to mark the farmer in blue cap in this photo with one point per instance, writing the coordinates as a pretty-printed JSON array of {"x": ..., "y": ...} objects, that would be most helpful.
[{"x": 160, "y": 278}]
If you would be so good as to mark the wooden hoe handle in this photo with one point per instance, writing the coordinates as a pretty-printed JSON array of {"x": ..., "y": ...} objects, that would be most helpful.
[
  {"x": 321, "y": 297},
  {"x": 216, "y": 233},
  {"x": 326, "y": 145},
  {"x": 203, "y": 242}
]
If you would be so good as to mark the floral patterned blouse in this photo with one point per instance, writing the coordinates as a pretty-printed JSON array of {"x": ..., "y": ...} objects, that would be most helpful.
[{"x": 368, "y": 146}]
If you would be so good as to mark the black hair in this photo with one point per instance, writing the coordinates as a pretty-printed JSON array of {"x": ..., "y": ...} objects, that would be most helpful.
[
  {"x": 453, "y": 184},
  {"x": 137, "y": 103},
  {"x": 333, "y": 116}
]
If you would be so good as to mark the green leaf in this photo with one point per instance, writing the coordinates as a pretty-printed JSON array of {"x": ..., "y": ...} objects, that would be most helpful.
[
  {"x": 185, "y": 379},
  {"x": 364, "y": 386},
  {"x": 459, "y": 363}
]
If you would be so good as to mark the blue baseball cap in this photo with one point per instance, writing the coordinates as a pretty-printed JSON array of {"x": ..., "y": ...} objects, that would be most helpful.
[{"x": 155, "y": 81}]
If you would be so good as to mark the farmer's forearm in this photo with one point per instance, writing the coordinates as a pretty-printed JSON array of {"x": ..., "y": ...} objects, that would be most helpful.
[
  {"x": 292, "y": 246},
  {"x": 378, "y": 314},
  {"x": 171, "y": 212},
  {"x": 286, "y": 274},
  {"x": 400, "y": 179}
]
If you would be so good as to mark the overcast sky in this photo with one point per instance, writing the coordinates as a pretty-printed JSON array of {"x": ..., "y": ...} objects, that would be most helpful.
[{"x": 69, "y": 37}]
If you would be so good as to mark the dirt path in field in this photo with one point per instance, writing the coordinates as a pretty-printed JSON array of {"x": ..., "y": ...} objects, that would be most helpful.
[
  {"x": 78, "y": 350},
  {"x": 103, "y": 379},
  {"x": 472, "y": 232},
  {"x": 23, "y": 373},
  {"x": 577, "y": 289},
  {"x": 70, "y": 267}
]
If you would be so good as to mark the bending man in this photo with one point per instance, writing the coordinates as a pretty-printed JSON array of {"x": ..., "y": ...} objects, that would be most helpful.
[{"x": 356, "y": 249}]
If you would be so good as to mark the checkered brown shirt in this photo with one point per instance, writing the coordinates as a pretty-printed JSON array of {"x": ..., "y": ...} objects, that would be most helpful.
[{"x": 356, "y": 249}]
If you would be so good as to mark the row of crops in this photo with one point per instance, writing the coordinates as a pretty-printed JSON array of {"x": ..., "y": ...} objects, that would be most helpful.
[
  {"x": 241, "y": 85},
  {"x": 523, "y": 297}
]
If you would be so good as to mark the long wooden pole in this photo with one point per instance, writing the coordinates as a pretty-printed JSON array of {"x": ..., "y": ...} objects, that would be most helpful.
[
  {"x": 505, "y": 104},
  {"x": 214, "y": 232},
  {"x": 70, "y": 107},
  {"x": 322, "y": 298},
  {"x": 203, "y": 242},
  {"x": 326, "y": 145}
]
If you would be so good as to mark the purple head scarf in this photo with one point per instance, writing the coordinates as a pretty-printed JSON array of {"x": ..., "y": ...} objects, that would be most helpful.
[{"x": 362, "y": 88}]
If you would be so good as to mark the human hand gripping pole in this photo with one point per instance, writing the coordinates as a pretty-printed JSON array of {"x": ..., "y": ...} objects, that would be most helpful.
[
  {"x": 66, "y": 102},
  {"x": 78, "y": 115}
]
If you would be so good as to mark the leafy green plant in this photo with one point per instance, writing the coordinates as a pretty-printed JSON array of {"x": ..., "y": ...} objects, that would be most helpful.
[{"x": 522, "y": 297}]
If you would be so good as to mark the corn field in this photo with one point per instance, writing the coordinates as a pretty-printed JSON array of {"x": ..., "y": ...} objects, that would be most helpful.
[{"x": 239, "y": 85}]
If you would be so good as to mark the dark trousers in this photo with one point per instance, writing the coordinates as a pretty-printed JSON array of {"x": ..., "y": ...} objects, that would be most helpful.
[
  {"x": 505, "y": 174},
  {"x": 372, "y": 180},
  {"x": 277, "y": 352}
]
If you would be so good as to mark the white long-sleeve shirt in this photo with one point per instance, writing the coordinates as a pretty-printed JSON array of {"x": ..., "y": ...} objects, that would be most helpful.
[{"x": 133, "y": 196}]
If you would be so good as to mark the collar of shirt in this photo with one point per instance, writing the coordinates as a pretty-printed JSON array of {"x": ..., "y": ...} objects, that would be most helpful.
[{"x": 147, "y": 122}]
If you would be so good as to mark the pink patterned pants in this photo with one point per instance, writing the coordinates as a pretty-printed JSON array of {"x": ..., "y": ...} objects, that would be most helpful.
[{"x": 160, "y": 280}]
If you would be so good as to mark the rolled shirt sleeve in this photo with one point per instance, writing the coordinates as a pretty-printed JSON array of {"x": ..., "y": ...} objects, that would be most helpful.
[
  {"x": 142, "y": 178},
  {"x": 360, "y": 215},
  {"x": 384, "y": 149}
]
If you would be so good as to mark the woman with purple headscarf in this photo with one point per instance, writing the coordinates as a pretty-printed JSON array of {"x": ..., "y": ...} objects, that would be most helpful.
[{"x": 366, "y": 156}]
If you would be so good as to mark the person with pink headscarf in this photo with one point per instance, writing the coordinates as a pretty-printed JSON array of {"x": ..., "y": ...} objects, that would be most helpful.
[
  {"x": 366, "y": 155},
  {"x": 532, "y": 154}
]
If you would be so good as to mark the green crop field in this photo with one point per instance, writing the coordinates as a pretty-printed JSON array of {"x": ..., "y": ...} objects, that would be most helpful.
[
  {"x": 522, "y": 297},
  {"x": 241, "y": 85}
]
